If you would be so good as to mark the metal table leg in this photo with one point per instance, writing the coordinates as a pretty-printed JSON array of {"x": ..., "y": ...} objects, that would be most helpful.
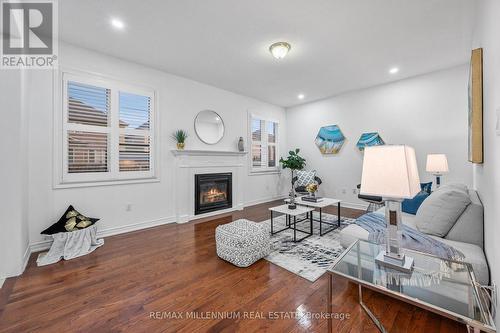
[
  {"x": 329, "y": 307},
  {"x": 369, "y": 313},
  {"x": 338, "y": 214}
]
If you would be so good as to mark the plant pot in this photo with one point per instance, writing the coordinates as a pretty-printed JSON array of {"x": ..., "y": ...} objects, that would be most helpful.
[{"x": 180, "y": 145}]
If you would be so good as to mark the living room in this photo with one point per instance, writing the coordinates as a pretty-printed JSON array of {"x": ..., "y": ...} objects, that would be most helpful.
[{"x": 183, "y": 166}]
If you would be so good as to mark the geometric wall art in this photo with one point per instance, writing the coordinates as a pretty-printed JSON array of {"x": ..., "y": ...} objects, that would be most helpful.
[
  {"x": 329, "y": 139},
  {"x": 369, "y": 139}
]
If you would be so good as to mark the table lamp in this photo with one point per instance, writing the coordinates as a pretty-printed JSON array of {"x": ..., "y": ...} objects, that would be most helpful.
[
  {"x": 391, "y": 172},
  {"x": 437, "y": 164}
]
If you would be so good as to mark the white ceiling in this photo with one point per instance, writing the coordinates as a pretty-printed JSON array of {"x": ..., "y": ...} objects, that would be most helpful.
[{"x": 337, "y": 45}]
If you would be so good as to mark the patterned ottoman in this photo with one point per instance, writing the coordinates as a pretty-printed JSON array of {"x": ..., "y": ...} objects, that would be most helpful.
[{"x": 242, "y": 242}]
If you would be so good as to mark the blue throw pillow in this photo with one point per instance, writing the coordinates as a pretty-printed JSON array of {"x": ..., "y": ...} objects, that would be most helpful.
[
  {"x": 411, "y": 206},
  {"x": 426, "y": 187}
]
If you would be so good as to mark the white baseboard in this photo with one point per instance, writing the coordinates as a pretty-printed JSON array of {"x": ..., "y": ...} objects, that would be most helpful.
[
  {"x": 354, "y": 205},
  {"x": 26, "y": 258},
  {"x": 264, "y": 200},
  {"x": 45, "y": 245}
]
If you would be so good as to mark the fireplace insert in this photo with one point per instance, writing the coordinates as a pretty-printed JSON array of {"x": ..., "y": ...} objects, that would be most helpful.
[{"x": 213, "y": 192}]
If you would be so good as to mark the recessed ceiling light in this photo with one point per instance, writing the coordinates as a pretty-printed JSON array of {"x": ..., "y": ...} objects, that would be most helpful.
[
  {"x": 301, "y": 96},
  {"x": 394, "y": 70},
  {"x": 118, "y": 24},
  {"x": 280, "y": 49}
]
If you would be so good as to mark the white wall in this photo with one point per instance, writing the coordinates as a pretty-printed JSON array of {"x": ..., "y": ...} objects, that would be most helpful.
[
  {"x": 13, "y": 174},
  {"x": 179, "y": 101},
  {"x": 487, "y": 175},
  {"x": 428, "y": 112}
]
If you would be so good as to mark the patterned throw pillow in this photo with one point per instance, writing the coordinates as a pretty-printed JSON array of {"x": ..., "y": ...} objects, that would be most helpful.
[
  {"x": 305, "y": 178},
  {"x": 71, "y": 220}
]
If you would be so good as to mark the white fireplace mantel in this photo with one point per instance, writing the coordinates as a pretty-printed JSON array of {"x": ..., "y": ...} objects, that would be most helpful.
[
  {"x": 189, "y": 163},
  {"x": 195, "y": 152}
]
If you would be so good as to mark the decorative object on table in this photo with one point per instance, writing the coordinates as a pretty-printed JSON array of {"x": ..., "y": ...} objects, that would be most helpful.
[
  {"x": 329, "y": 139},
  {"x": 291, "y": 199},
  {"x": 476, "y": 107},
  {"x": 242, "y": 242},
  {"x": 70, "y": 245},
  {"x": 71, "y": 220},
  {"x": 180, "y": 137},
  {"x": 391, "y": 172},
  {"x": 209, "y": 127},
  {"x": 437, "y": 164},
  {"x": 293, "y": 162},
  {"x": 312, "y": 188},
  {"x": 241, "y": 144},
  {"x": 368, "y": 140}
]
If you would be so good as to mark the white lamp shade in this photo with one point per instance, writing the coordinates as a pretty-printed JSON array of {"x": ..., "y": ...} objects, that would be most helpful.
[
  {"x": 390, "y": 171},
  {"x": 437, "y": 163}
]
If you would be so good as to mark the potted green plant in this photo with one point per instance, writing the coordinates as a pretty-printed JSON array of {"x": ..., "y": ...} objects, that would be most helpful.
[
  {"x": 180, "y": 137},
  {"x": 293, "y": 162}
]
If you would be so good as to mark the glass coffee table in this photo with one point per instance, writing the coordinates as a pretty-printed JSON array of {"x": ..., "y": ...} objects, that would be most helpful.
[{"x": 442, "y": 286}]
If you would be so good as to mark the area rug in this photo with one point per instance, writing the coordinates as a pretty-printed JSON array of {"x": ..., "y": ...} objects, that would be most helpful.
[{"x": 311, "y": 257}]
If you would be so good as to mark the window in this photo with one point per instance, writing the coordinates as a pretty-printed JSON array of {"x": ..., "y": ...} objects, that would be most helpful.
[
  {"x": 107, "y": 131},
  {"x": 264, "y": 144}
]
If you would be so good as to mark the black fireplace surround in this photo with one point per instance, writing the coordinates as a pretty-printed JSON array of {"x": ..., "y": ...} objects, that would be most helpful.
[{"x": 213, "y": 192}]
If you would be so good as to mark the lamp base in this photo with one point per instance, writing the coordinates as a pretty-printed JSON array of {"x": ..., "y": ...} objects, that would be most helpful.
[{"x": 402, "y": 263}]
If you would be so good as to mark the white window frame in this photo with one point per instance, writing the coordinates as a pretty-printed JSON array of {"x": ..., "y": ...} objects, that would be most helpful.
[
  {"x": 64, "y": 179},
  {"x": 264, "y": 146}
]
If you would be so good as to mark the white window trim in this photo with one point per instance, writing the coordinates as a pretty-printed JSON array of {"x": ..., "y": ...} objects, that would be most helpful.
[
  {"x": 262, "y": 170},
  {"x": 62, "y": 179}
]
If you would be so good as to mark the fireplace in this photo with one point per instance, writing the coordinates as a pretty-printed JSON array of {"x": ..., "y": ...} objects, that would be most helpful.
[{"x": 213, "y": 192}]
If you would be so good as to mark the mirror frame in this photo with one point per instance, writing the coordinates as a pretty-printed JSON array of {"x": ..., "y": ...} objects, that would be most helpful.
[{"x": 223, "y": 127}]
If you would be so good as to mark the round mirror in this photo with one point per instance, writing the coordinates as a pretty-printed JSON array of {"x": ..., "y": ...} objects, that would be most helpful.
[{"x": 209, "y": 127}]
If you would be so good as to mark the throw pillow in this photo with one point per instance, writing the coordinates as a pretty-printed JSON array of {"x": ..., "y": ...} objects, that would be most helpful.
[
  {"x": 411, "y": 206},
  {"x": 71, "y": 220},
  {"x": 456, "y": 186},
  {"x": 439, "y": 212},
  {"x": 427, "y": 187},
  {"x": 305, "y": 178}
]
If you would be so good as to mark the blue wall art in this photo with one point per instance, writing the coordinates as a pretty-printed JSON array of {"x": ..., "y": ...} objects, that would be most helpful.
[
  {"x": 369, "y": 139},
  {"x": 329, "y": 139}
]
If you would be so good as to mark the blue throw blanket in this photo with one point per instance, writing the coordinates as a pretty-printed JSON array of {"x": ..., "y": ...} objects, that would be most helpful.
[{"x": 411, "y": 239}]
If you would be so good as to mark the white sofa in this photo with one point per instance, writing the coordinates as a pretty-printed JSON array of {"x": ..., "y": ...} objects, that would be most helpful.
[{"x": 466, "y": 235}]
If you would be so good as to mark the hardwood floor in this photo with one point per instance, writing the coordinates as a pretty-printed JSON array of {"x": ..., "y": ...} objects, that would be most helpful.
[{"x": 135, "y": 279}]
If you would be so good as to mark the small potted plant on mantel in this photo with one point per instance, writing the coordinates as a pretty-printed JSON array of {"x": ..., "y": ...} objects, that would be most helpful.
[
  {"x": 293, "y": 162},
  {"x": 180, "y": 137}
]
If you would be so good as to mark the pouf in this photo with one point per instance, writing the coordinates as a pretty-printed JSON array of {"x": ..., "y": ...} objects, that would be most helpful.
[{"x": 242, "y": 242}]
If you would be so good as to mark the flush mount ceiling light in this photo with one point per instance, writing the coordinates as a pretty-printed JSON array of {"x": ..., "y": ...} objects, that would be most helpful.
[
  {"x": 280, "y": 49},
  {"x": 117, "y": 24},
  {"x": 394, "y": 70},
  {"x": 301, "y": 96}
]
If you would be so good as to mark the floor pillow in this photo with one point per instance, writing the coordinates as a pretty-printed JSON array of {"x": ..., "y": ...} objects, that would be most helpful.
[{"x": 71, "y": 220}]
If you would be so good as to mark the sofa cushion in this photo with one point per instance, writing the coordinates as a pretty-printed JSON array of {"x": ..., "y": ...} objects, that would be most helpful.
[
  {"x": 474, "y": 255},
  {"x": 439, "y": 212},
  {"x": 456, "y": 186}
]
